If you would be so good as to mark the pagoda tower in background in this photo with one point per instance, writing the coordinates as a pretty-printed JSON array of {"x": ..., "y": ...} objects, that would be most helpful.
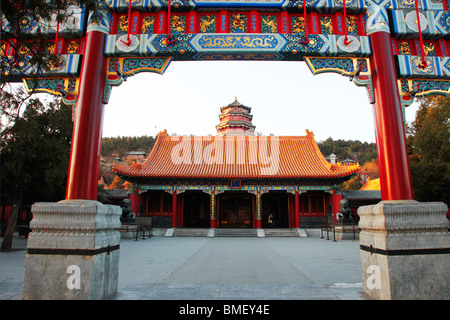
[{"x": 235, "y": 119}]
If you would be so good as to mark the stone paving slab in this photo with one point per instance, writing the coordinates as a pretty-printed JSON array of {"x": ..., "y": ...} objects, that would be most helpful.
[
  {"x": 167, "y": 268},
  {"x": 10, "y": 289}
]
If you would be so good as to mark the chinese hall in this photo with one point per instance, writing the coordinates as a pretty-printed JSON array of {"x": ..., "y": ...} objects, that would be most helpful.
[{"x": 236, "y": 179}]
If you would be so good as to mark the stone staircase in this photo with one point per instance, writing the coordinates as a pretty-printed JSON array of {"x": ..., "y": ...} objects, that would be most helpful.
[
  {"x": 281, "y": 233},
  {"x": 236, "y": 232},
  {"x": 190, "y": 232}
]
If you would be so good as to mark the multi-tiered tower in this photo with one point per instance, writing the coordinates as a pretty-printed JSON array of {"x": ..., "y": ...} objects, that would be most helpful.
[{"x": 235, "y": 119}]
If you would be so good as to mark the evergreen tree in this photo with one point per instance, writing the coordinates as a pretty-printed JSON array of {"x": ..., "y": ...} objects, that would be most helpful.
[
  {"x": 122, "y": 145},
  {"x": 34, "y": 159},
  {"x": 429, "y": 150}
]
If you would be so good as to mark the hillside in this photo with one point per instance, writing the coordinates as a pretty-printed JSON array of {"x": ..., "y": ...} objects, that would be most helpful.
[
  {"x": 115, "y": 149},
  {"x": 119, "y": 146},
  {"x": 358, "y": 151}
]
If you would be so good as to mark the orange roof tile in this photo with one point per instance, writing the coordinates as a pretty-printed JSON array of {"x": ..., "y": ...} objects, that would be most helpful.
[{"x": 236, "y": 157}]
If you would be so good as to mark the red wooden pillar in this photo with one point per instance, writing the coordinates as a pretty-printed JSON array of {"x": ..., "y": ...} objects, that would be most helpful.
[
  {"x": 135, "y": 199},
  {"x": 87, "y": 133},
  {"x": 336, "y": 204},
  {"x": 258, "y": 223},
  {"x": 174, "y": 209},
  {"x": 212, "y": 214},
  {"x": 395, "y": 178},
  {"x": 297, "y": 209}
]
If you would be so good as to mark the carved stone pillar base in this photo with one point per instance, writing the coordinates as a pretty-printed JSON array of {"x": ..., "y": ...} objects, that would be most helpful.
[
  {"x": 405, "y": 250},
  {"x": 72, "y": 251}
]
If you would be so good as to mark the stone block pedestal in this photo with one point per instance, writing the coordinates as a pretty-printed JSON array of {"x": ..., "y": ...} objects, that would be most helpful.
[
  {"x": 405, "y": 250},
  {"x": 72, "y": 251}
]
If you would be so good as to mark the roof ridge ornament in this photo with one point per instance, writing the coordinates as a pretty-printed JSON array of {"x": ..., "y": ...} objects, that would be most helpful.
[{"x": 162, "y": 133}]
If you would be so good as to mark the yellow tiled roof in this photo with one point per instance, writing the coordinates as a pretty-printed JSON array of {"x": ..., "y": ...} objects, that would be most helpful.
[{"x": 371, "y": 184}]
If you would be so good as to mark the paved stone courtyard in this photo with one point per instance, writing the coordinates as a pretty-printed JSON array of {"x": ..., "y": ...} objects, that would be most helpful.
[{"x": 195, "y": 268}]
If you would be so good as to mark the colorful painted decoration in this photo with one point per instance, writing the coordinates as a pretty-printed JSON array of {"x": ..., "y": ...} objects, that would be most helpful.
[{"x": 249, "y": 30}]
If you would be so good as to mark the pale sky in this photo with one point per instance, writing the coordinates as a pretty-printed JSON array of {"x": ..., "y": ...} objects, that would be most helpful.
[{"x": 286, "y": 99}]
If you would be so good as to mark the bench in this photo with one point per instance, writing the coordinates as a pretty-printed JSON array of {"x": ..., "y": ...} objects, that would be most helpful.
[
  {"x": 128, "y": 231},
  {"x": 143, "y": 224},
  {"x": 327, "y": 228},
  {"x": 341, "y": 229}
]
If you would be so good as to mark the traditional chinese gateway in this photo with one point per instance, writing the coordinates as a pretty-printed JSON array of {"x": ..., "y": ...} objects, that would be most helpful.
[
  {"x": 236, "y": 179},
  {"x": 396, "y": 49}
]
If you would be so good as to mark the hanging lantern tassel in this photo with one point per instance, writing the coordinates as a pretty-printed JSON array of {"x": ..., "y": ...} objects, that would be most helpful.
[
  {"x": 346, "y": 42},
  {"x": 168, "y": 39},
  {"x": 128, "y": 42},
  {"x": 424, "y": 63},
  {"x": 55, "y": 50},
  {"x": 305, "y": 41},
  {"x": 56, "y": 63}
]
